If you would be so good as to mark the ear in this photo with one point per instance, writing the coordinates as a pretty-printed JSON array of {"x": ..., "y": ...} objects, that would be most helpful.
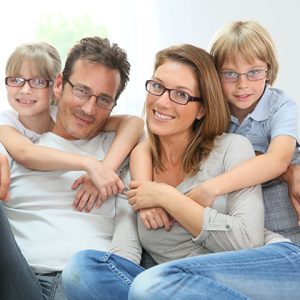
[
  {"x": 201, "y": 113},
  {"x": 57, "y": 88}
]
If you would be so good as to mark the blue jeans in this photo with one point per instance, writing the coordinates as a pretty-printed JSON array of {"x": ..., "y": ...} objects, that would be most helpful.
[
  {"x": 18, "y": 281},
  {"x": 268, "y": 272},
  {"x": 92, "y": 274}
]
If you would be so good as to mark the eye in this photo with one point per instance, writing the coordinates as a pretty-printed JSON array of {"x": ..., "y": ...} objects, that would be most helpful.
[
  {"x": 38, "y": 81},
  {"x": 230, "y": 74},
  {"x": 81, "y": 92},
  {"x": 156, "y": 86},
  {"x": 181, "y": 95},
  {"x": 253, "y": 73},
  {"x": 105, "y": 99}
]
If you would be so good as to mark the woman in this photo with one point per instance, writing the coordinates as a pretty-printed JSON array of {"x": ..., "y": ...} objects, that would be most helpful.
[{"x": 186, "y": 118}]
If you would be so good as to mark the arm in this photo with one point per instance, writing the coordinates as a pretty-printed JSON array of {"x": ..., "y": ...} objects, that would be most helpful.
[
  {"x": 254, "y": 171},
  {"x": 125, "y": 241},
  {"x": 4, "y": 178},
  {"x": 141, "y": 170},
  {"x": 45, "y": 158},
  {"x": 129, "y": 130}
]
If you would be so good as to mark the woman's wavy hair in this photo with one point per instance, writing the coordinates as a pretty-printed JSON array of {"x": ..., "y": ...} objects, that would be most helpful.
[{"x": 216, "y": 118}]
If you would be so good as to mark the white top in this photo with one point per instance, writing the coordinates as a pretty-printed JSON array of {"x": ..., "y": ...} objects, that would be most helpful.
[
  {"x": 47, "y": 228},
  {"x": 10, "y": 118}
]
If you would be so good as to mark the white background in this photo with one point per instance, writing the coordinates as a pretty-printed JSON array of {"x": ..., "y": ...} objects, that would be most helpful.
[{"x": 143, "y": 27}]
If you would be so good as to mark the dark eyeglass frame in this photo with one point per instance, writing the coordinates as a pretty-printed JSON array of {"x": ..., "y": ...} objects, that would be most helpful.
[
  {"x": 48, "y": 82},
  {"x": 89, "y": 95},
  {"x": 247, "y": 75},
  {"x": 189, "y": 97}
]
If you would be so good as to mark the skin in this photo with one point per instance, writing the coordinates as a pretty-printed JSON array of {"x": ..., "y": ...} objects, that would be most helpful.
[
  {"x": 30, "y": 103},
  {"x": 83, "y": 120},
  {"x": 243, "y": 95}
]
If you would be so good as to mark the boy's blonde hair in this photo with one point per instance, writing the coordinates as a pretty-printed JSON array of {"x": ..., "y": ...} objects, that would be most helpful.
[
  {"x": 248, "y": 40},
  {"x": 216, "y": 118},
  {"x": 43, "y": 58}
]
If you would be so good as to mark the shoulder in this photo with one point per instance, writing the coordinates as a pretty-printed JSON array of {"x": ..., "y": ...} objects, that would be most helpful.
[
  {"x": 232, "y": 140},
  {"x": 279, "y": 99},
  {"x": 9, "y": 117}
]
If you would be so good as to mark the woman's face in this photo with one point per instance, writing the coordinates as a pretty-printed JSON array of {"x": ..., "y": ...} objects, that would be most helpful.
[{"x": 165, "y": 117}]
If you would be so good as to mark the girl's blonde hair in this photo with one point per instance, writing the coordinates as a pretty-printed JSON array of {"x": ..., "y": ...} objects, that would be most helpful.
[
  {"x": 248, "y": 40},
  {"x": 216, "y": 119},
  {"x": 43, "y": 58}
]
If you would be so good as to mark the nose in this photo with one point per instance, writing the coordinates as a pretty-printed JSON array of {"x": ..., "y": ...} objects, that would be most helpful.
[
  {"x": 164, "y": 99},
  {"x": 26, "y": 88},
  {"x": 89, "y": 107},
  {"x": 242, "y": 81}
]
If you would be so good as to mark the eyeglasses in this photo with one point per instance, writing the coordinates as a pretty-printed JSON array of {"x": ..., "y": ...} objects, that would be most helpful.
[
  {"x": 252, "y": 75},
  {"x": 103, "y": 101},
  {"x": 176, "y": 96},
  {"x": 36, "y": 83}
]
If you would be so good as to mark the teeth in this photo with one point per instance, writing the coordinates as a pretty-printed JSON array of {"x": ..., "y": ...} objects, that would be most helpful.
[
  {"x": 26, "y": 102},
  {"x": 162, "y": 116}
]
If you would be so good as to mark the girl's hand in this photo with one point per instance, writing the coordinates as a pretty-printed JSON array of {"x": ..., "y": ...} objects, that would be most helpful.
[
  {"x": 87, "y": 196},
  {"x": 155, "y": 217},
  {"x": 105, "y": 179}
]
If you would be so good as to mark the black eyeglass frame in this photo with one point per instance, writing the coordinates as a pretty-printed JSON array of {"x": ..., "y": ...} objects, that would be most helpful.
[{"x": 190, "y": 98}]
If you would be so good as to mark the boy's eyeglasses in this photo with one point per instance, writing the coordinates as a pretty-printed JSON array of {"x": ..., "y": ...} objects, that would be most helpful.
[
  {"x": 176, "y": 96},
  {"x": 252, "y": 75},
  {"x": 35, "y": 83},
  {"x": 83, "y": 94}
]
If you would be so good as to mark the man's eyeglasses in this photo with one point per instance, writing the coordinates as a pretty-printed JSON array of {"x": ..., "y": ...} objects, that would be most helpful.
[
  {"x": 35, "y": 83},
  {"x": 252, "y": 75},
  {"x": 176, "y": 96},
  {"x": 103, "y": 101}
]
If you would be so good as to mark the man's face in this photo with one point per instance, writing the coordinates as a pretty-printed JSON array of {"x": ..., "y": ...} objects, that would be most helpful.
[{"x": 84, "y": 119}]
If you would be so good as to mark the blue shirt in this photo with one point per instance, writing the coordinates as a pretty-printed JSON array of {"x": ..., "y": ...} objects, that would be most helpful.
[{"x": 275, "y": 114}]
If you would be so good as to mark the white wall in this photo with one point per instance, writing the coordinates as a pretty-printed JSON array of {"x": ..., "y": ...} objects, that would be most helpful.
[{"x": 143, "y": 27}]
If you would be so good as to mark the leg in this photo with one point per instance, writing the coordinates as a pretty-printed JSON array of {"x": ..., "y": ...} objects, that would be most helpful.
[
  {"x": 98, "y": 275},
  {"x": 17, "y": 279},
  {"x": 269, "y": 272}
]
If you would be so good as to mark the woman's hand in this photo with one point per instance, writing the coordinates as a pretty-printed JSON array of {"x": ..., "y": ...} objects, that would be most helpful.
[
  {"x": 148, "y": 194},
  {"x": 155, "y": 217}
]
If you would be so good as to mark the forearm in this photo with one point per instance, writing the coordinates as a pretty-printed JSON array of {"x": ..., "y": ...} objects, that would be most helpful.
[{"x": 128, "y": 134}]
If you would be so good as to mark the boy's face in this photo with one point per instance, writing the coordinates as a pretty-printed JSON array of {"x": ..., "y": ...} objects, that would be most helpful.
[
  {"x": 28, "y": 101},
  {"x": 243, "y": 95},
  {"x": 84, "y": 119}
]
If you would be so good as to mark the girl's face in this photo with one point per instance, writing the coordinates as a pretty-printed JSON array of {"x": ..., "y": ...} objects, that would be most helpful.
[
  {"x": 165, "y": 117},
  {"x": 243, "y": 95},
  {"x": 28, "y": 101}
]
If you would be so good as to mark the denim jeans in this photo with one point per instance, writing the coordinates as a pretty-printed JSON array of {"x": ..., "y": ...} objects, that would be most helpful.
[
  {"x": 18, "y": 281},
  {"x": 268, "y": 272},
  {"x": 92, "y": 274}
]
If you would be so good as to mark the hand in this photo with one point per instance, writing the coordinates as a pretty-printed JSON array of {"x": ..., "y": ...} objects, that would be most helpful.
[
  {"x": 202, "y": 195},
  {"x": 105, "y": 179},
  {"x": 155, "y": 217},
  {"x": 4, "y": 178},
  {"x": 148, "y": 194},
  {"x": 88, "y": 195},
  {"x": 294, "y": 188}
]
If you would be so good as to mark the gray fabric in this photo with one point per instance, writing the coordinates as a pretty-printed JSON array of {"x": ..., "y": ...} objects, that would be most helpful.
[{"x": 280, "y": 216}]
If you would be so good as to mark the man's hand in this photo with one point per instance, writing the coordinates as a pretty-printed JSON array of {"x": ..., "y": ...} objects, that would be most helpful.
[
  {"x": 4, "y": 178},
  {"x": 87, "y": 196}
]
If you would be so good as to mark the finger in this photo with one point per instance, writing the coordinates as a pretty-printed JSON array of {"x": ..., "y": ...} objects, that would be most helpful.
[
  {"x": 82, "y": 203},
  {"x": 153, "y": 223},
  {"x": 78, "y": 196},
  {"x": 99, "y": 202},
  {"x": 77, "y": 182},
  {"x": 134, "y": 184},
  {"x": 115, "y": 190},
  {"x": 166, "y": 220},
  {"x": 132, "y": 201},
  {"x": 103, "y": 193},
  {"x": 90, "y": 203},
  {"x": 120, "y": 186}
]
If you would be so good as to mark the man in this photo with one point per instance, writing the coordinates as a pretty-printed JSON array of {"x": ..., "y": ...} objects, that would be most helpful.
[{"x": 45, "y": 230}]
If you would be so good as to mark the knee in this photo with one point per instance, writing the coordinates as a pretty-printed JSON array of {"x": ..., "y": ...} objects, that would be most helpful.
[{"x": 144, "y": 286}]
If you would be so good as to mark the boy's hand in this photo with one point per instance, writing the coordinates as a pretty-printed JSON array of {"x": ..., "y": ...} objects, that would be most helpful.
[
  {"x": 87, "y": 196},
  {"x": 155, "y": 217}
]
